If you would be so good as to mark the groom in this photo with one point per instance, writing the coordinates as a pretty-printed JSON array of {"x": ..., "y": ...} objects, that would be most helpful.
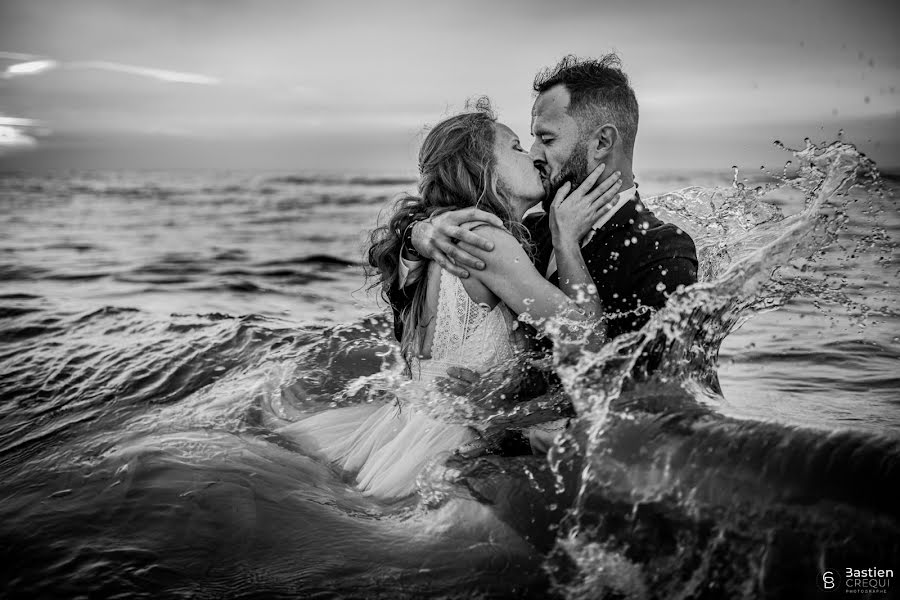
[{"x": 585, "y": 113}]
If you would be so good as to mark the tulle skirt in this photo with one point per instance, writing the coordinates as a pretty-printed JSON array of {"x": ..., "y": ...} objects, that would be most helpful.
[{"x": 385, "y": 447}]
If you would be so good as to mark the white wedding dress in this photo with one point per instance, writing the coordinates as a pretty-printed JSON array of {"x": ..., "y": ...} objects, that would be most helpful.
[{"x": 386, "y": 446}]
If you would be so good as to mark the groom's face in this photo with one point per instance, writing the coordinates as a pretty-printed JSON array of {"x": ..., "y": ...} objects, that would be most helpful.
[{"x": 558, "y": 151}]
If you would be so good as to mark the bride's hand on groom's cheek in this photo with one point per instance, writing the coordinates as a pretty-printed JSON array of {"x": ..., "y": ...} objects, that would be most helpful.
[
  {"x": 437, "y": 239},
  {"x": 573, "y": 213}
]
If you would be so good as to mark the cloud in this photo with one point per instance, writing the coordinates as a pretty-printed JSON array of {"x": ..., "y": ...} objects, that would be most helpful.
[
  {"x": 18, "y": 56},
  {"x": 18, "y": 122},
  {"x": 36, "y": 65},
  {"x": 160, "y": 74},
  {"x": 17, "y": 134},
  {"x": 32, "y": 67},
  {"x": 13, "y": 139}
]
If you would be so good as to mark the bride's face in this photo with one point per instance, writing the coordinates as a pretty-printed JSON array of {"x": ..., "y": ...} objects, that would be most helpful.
[{"x": 516, "y": 171}]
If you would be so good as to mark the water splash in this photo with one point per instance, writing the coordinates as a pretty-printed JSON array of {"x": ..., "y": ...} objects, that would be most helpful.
[
  {"x": 752, "y": 259},
  {"x": 117, "y": 412}
]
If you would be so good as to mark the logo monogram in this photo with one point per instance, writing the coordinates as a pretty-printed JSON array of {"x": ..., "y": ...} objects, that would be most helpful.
[{"x": 829, "y": 580}]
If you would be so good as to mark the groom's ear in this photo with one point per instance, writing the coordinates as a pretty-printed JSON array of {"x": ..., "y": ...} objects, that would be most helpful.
[{"x": 603, "y": 140}]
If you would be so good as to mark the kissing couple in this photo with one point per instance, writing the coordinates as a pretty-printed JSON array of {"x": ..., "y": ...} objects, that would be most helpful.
[{"x": 462, "y": 265}]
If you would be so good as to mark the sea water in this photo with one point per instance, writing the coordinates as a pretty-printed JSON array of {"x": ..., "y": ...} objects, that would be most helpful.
[{"x": 151, "y": 323}]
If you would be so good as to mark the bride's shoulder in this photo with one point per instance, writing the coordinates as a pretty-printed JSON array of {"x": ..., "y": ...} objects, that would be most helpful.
[
  {"x": 507, "y": 253},
  {"x": 492, "y": 233}
]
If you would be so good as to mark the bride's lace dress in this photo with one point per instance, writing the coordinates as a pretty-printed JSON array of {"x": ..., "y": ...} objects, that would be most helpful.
[{"x": 387, "y": 446}]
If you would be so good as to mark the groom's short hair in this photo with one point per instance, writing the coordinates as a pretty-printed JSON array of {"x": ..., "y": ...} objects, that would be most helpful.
[{"x": 599, "y": 93}]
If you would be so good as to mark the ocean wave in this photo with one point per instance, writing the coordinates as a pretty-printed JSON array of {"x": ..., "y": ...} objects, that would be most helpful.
[
  {"x": 11, "y": 272},
  {"x": 341, "y": 180},
  {"x": 7, "y": 312},
  {"x": 313, "y": 259}
]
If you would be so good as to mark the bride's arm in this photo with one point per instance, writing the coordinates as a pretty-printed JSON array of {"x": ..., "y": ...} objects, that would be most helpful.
[
  {"x": 572, "y": 216},
  {"x": 509, "y": 274},
  {"x": 574, "y": 279}
]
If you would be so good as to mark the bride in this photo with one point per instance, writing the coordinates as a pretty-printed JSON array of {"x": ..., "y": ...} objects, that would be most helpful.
[{"x": 468, "y": 160}]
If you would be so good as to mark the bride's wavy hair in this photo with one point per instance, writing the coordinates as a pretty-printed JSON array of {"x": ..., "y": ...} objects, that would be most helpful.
[{"x": 457, "y": 169}]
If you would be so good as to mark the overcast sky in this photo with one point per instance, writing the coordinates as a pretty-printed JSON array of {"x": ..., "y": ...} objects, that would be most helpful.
[{"x": 331, "y": 85}]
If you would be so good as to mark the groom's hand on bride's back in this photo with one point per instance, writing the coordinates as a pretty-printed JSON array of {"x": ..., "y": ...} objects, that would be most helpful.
[
  {"x": 459, "y": 381},
  {"x": 503, "y": 385},
  {"x": 437, "y": 237}
]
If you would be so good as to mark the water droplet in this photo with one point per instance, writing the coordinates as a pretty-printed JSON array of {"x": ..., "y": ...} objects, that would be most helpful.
[{"x": 867, "y": 100}]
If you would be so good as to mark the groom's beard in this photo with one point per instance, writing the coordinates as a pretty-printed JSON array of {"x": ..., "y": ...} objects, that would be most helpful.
[{"x": 574, "y": 171}]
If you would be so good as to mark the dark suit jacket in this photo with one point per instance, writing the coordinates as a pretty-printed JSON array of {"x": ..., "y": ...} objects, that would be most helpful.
[{"x": 635, "y": 260}]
